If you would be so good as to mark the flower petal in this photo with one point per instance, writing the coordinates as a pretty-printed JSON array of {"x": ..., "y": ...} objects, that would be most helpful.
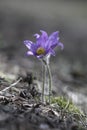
[
  {"x": 37, "y": 35},
  {"x": 54, "y": 36},
  {"x": 44, "y": 35},
  {"x": 52, "y": 52},
  {"x": 28, "y": 43},
  {"x": 40, "y": 56},
  {"x": 41, "y": 41},
  {"x": 30, "y": 53},
  {"x": 61, "y": 45},
  {"x": 53, "y": 40}
]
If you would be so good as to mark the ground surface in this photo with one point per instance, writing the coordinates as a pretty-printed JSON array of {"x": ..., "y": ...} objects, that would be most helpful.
[{"x": 21, "y": 108}]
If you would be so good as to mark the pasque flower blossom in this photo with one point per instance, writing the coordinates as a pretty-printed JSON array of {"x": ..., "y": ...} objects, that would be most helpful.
[
  {"x": 44, "y": 44},
  {"x": 42, "y": 49}
]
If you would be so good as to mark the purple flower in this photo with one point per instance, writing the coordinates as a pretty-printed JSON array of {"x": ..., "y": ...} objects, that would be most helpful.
[{"x": 44, "y": 44}]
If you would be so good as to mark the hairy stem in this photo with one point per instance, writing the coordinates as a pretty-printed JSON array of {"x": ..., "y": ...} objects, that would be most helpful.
[
  {"x": 44, "y": 82},
  {"x": 46, "y": 68},
  {"x": 50, "y": 82}
]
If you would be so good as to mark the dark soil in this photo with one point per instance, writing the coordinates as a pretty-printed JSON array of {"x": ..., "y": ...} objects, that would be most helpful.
[{"x": 21, "y": 109}]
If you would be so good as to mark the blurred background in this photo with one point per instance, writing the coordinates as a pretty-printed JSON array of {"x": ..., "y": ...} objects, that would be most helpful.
[{"x": 20, "y": 19}]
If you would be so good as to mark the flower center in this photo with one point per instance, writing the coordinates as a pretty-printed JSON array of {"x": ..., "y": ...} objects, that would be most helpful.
[{"x": 40, "y": 51}]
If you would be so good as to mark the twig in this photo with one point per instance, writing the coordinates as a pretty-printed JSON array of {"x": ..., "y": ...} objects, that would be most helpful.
[{"x": 12, "y": 85}]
